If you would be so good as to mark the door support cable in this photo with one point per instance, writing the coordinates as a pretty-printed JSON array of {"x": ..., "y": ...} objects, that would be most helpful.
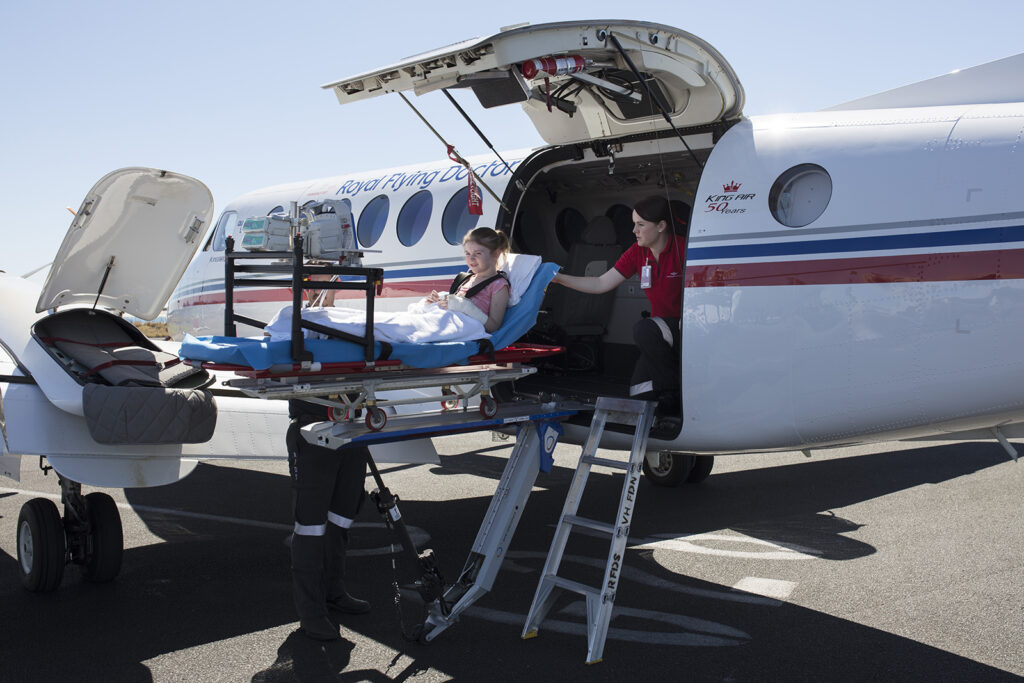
[
  {"x": 453, "y": 153},
  {"x": 519, "y": 183}
]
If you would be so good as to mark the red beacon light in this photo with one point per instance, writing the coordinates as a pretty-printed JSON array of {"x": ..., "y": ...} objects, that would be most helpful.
[{"x": 553, "y": 66}]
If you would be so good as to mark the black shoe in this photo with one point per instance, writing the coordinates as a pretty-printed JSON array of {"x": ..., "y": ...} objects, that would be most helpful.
[
  {"x": 319, "y": 628},
  {"x": 668, "y": 405},
  {"x": 346, "y": 604},
  {"x": 665, "y": 428}
]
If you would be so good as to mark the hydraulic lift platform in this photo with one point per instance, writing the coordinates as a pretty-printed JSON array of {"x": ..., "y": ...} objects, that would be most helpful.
[{"x": 537, "y": 428}]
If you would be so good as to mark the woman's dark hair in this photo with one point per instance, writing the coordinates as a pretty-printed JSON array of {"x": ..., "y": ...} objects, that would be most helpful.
[
  {"x": 656, "y": 208},
  {"x": 488, "y": 238}
]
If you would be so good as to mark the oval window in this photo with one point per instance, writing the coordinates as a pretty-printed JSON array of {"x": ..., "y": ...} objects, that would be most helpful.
[
  {"x": 622, "y": 218},
  {"x": 414, "y": 216},
  {"x": 569, "y": 224},
  {"x": 372, "y": 220},
  {"x": 799, "y": 196},
  {"x": 456, "y": 220}
]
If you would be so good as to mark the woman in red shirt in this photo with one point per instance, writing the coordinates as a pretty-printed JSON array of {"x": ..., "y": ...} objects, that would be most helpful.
[{"x": 658, "y": 256}]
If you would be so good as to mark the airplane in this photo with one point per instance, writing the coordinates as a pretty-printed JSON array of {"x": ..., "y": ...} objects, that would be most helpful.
[{"x": 852, "y": 275}]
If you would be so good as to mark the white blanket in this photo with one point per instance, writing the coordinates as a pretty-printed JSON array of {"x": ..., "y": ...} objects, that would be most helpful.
[{"x": 419, "y": 323}]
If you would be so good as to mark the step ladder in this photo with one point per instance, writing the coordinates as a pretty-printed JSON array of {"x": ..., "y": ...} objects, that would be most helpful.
[{"x": 599, "y": 599}]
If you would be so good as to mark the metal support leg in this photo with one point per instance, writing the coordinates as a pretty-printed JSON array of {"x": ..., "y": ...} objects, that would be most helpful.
[{"x": 495, "y": 535}]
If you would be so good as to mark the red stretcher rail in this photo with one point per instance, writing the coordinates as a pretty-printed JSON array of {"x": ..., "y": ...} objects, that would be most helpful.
[{"x": 514, "y": 353}]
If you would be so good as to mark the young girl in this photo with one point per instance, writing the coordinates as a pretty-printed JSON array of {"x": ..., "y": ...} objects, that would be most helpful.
[{"x": 484, "y": 292}]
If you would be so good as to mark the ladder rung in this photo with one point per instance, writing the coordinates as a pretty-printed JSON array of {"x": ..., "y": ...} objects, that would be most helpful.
[
  {"x": 607, "y": 462},
  {"x": 574, "y": 586},
  {"x": 590, "y": 524}
]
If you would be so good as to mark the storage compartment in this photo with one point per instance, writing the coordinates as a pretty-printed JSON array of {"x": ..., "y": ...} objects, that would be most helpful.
[{"x": 133, "y": 392}]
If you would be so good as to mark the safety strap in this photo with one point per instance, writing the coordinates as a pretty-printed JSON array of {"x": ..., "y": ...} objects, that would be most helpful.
[
  {"x": 116, "y": 345},
  {"x": 461, "y": 278},
  {"x": 147, "y": 363}
]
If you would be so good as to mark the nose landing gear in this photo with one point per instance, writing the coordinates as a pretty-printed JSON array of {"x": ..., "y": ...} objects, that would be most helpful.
[{"x": 89, "y": 535}]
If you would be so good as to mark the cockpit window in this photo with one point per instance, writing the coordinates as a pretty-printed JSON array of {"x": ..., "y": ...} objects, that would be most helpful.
[{"x": 224, "y": 225}]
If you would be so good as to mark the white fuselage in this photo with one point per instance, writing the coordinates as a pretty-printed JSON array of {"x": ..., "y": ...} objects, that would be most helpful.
[{"x": 893, "y": 314}]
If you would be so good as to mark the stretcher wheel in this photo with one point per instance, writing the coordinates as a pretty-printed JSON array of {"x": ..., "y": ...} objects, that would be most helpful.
[
  {"x": 375, "y": 419},
  {"x": 449, "y": 403},
  {"x": 488, "y": 406}
]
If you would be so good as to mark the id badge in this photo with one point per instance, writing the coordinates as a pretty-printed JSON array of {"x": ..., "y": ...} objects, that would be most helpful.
[{"x": 645, "y": 277}]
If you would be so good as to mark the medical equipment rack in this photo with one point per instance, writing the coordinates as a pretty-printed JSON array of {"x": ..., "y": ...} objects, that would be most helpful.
[{"x": 368, "y": 280}]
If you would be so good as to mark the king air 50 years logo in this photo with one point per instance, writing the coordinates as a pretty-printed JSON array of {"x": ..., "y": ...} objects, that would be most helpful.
[{"x": 720, "y": 203}]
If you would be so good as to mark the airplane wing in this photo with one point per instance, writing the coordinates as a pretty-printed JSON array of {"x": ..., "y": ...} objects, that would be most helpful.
[{"x": 989, "y": 83}]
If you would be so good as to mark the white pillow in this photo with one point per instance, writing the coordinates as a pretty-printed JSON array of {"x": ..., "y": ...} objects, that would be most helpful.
[{"x": 520, "y": 269}]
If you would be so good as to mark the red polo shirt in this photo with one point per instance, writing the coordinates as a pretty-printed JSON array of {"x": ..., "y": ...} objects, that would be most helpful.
[{"x": 666, "y": 290}]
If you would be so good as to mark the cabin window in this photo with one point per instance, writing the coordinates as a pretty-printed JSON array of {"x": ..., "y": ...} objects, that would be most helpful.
[
  {"x": 276, "y": 209},
  {"x": 372, "y": 220},
  {"x": 224, "y": 225},
  {"x": 799, "y": 196},
  {"x": 569, "y": 225},
  {"x": 456, "y": 220},
  {"x": 414, "y": 216},
  {"x": 622, "y": 219}
]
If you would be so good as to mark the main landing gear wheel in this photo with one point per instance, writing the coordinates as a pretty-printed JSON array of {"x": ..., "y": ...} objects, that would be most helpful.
[
  {"x": 673, "y": 468},
  {"x": 702, "y": 465},
  {"x": 375, "y": 419},
  {"x": 488, "y": 406},
  {"x": 105, "y": 541},
  {"x": 42, "y": 547}
]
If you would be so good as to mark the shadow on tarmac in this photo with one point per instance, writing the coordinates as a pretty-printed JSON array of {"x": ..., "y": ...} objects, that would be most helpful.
[{"x": 210, "y": 581}]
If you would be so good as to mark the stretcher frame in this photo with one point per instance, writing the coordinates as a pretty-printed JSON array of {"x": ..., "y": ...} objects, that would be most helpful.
[{"x": 353, "y": 386}]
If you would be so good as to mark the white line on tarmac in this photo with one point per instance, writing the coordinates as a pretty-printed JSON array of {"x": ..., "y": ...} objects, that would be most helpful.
[
  {"x": 166, "y": 511},
  {"x": 419, "y": 536}
]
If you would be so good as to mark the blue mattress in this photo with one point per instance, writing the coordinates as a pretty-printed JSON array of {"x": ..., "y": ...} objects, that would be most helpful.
[{"x": 260, "y": 355}]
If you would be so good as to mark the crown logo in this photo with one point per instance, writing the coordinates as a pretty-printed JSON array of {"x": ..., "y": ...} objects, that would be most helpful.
[{"x": 731, "y": 186}]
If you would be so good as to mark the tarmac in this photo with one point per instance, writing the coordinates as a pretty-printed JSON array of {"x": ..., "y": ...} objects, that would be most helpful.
[{"x": 897, "y": 561}]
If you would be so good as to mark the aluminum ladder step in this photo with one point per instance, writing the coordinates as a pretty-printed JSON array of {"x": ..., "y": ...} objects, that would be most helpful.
[{"x": 599, "y": 599}]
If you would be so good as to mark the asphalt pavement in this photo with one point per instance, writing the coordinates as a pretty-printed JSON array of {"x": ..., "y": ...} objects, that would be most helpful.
[{"x": 888, "y": 562}]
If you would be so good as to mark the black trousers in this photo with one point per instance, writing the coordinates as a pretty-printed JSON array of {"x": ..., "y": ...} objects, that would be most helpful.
[
  {"x": 656, "y": 373},
  {"x": 327, "y": 484}
]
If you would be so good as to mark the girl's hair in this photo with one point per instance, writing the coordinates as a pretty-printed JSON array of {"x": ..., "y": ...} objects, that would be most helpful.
[
  {"x": 488, "y": 238},
  {"x": 654, "y": 208}
]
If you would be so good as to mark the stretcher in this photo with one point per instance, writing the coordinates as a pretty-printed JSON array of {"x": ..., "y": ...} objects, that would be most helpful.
[
  {"x": 350, "y": 374},
  {"x": 353, "y": 375}
]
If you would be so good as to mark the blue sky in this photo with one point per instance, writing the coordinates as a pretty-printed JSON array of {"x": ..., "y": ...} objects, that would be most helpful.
[{"x": 229, "y": 92}]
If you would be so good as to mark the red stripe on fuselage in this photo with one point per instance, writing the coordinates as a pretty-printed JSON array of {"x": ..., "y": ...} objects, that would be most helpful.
[{"x": 1001, "y": 264}]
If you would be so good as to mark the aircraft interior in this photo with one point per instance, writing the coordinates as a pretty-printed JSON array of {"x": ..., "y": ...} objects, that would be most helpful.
[{"x": 579, "y": 215}]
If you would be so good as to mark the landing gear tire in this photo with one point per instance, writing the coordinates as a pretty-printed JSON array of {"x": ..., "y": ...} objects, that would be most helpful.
[
  {"x": 42, "y": 546},
  {"x": 105, "y": 542},
  {"x": 488, "y": 406},
  {"x": 671, "y": 468},
  {"x": 702, "y": 466},
  {"x": 375, "y": 419}
]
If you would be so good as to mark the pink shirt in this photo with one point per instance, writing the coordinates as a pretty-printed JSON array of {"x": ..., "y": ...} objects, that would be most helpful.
[{"x": 482, "y": 299}]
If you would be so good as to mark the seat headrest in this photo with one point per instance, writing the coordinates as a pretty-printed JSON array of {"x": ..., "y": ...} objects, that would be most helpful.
[{"x": 600, "y": 230}]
